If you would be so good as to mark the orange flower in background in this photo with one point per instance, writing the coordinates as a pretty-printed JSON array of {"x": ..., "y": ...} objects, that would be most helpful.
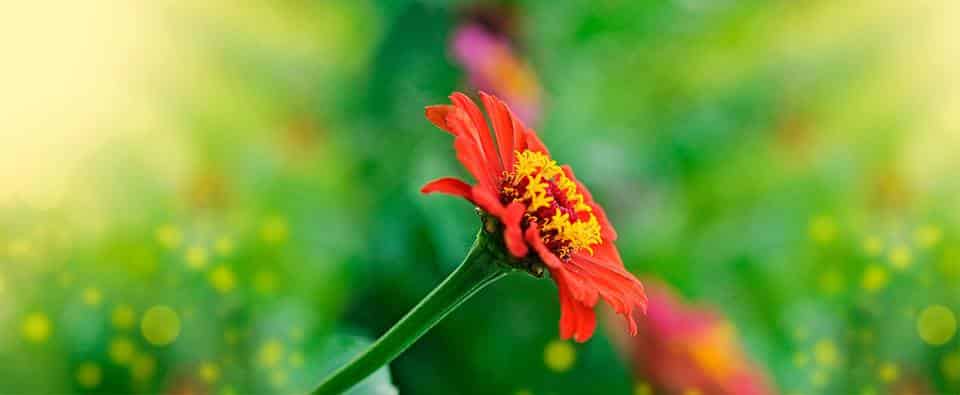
[
  {"x": 684, "y": 348},
  {"x": 542, "y": 207}
]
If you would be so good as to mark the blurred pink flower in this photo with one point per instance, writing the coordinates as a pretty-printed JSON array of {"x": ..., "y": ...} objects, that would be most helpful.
[
  {"x": 681, "y": 347},
  {"x": 492, "y": 65}
]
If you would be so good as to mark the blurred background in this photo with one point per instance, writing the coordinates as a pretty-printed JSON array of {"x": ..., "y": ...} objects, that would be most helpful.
[{"x": 222, "y": 197}]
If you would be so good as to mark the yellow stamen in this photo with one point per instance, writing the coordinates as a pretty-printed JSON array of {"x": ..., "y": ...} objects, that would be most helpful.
[{"x": 532, "y": 174}]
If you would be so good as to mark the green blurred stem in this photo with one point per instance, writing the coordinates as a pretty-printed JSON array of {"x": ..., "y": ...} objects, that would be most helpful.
[{"x": 482, "y": 266}]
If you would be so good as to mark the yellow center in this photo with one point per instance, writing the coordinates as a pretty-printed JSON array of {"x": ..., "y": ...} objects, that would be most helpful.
[{"x": 554, "y": 204}]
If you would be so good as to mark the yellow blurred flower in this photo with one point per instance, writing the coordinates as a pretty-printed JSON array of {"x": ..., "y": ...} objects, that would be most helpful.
[{"x": 36, "y": 327}]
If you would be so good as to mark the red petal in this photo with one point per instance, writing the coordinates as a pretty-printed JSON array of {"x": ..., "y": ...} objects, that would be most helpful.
[
  {"x": 438, "y": 116},
  {"x": 487, "y": 200},
  {"x": 577, "y": 320},
  {"x": 513, "y": 234},
  {"x": 449, "y": 186},
  {"x": 502, "y": 127},
  {"x": 534, "y": 143},
  {"x": 482, "y": 133},
  {"x": 533, "y": 239},
  {"x": 618, "y": 287},
  {"x": 467, "y": 149}
]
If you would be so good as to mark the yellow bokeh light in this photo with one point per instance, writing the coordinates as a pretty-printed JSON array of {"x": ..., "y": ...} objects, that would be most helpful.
[
  {"x": 559, "y": 355},
  {"x": 819, "y": 378},
  {"x": 692, "y": 391},
  {"x": 950, "y": 366},
  {"x": 900, "y": 257},
  {"x": 296, "y": 359},
  {"x": 224, "y": 246},
  {"x": 271, "y": 352},
  {"x": 274, "y": 230},
  {"x": 873, "y": 246},
  {"x": 222, "y": 279},
  {"x": 875, "y": 277},
  {"x": 209, "y": 372},
  {"x": 197, "y": 257},
  {"x": 264, "y": 282},
  {"x": 143, "y": 367},
  {"x": 92, "y": 296},
  {"x": 278, "y": 378},
  {"x": 888, "y": 372},
  {"x": 936, "y": 325},
  {"x": 642, "y": 389},
  {"x": 825, "y": 353},
  {"x": 822, "y": 229},
  {"x": 928, "y": 236},
  {"x": 123, "y": 317},
  {"x": 122, "y": 351},
  {"x": 169, "y": 236},
  {"x": 800, "y": 359},
  {"x": 36, "y": 327},
  {"x": 89, "y": 375},
  {"x": 160, "y": 325}
]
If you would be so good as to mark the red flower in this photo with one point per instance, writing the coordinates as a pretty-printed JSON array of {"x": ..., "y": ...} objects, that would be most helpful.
[{"x": 542, "y": 207}]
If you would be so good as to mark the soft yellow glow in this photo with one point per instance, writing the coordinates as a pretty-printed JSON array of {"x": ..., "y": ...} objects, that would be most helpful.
[
  {"x": 197, "y": 257},
  {"x": 222, "y": 279},
  {"x": 936, "y": 325},
  {"x": 143, "y": 367},
  {"x": 160, "y": 325},
  {"x": 271, "y": 352},
  {"x": 89, "y": 375},
  {"x": 822, "y": 229},
  {"x": 92, "y": 296},
  {"x": 122, "y": 351},
  {"x": 36, "y": 327},
  {"x": 825, "y": 353},
  {"x": 873, "y": 246},
  {"x": 209, "y": 372},
  {"x": 169, "y": 236},
  {"x": 888, "y": 372},
  {"x": 559, "y": 356},
  {"x": 274, "y": 230},
  {"x": 901, "y": 257},
  {"x": 123, "y": 317},
  {"x": 875, "y": 278},
  {"x": 950, "y": 366}
]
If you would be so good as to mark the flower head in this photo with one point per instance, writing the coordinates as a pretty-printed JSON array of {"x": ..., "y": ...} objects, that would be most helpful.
[
  {"x": 544, "y": 210},
  {"x": 689, "y": 348}
]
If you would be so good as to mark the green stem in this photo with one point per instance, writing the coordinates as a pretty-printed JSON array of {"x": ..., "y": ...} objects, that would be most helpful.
[{"x": 482, "y": 266}]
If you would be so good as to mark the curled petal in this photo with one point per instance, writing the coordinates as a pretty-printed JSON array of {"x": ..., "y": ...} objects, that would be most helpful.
[
  {"x": 577, "y": 320},
  {"x": 467, "y": 139},
  {"x": 480, "y": 131},
  {"x": 438, "y": 116},
  {"x": 512, "y": 234},
  {"x": 620, "y": 289},
  {"x": 449, "y": 186},
  {"x": 487, "y": 201},
  {"x": 502, "y": 127},
  {"x": 533, "y": 239},
  {"x": 534, "y": 143}
]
